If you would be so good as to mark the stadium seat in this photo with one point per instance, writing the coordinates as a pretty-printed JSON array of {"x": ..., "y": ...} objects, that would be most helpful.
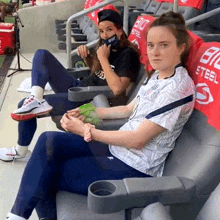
[
  {"x": 156, "y": 8},
  {"x": 82, "y": 21},
  {"x": 90, "y": 34},
  {"x": 210, "y": 211},
  {"x": 186, "y": 11},
  {"x": 191, "y": 170},
  {"x": 209, "y": 29}
]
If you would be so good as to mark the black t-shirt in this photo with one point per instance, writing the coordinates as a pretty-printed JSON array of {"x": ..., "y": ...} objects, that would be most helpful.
[{"x": 125, "y": 63}]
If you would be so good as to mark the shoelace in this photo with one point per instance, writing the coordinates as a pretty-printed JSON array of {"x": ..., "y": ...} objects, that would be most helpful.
[
  {"x": 9, "y": 152},
  {"x": 28, "y": 100}
]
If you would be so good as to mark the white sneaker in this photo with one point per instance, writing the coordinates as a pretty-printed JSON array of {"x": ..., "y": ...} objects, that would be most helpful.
[
  {"x": 31, "y": 108},
  {"x": 11, "y": 216},
  {"x": 9, "y": 154}
]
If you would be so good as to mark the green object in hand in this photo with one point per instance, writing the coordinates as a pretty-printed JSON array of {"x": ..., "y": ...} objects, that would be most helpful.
[{"x": 90, "y": 114}]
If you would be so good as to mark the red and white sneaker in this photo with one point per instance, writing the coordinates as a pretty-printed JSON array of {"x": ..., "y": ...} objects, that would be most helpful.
[
  {"x": 9, "y": 154},
  {"x": 31, "y": 108}
]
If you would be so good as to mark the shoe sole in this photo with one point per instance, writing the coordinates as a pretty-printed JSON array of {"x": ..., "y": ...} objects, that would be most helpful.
[
  {"x": 26, "y": 117},
  {"x": 10, "y": 160}
]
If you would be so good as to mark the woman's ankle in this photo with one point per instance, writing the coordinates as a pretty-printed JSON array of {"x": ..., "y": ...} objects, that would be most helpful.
[{"x": 21, "y": 150}]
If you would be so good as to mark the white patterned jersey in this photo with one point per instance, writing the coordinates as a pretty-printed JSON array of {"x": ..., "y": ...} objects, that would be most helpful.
[{"x": 152, "y": 96}]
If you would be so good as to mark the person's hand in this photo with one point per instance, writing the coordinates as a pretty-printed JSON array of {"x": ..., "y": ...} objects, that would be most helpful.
[
  {"x": 76, "y": 113},
  {"x": 87, "y": 132},
  {"x": 103, "y": 52},
  {"x": 83, "y": 51},
  {"x": 72, "y": 124}
]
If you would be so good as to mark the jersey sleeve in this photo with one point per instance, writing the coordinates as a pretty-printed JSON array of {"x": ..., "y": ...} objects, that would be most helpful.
[{"x": 129, "y": 64}]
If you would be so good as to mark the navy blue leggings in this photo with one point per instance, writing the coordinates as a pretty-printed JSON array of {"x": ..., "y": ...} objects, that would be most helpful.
[
  {"x": 64, "y": 161},
  {"x": 46, "y": 68}
]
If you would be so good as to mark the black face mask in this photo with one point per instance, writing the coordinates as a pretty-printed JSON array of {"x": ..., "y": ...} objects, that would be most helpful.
[{"x": 112, "y": 41}]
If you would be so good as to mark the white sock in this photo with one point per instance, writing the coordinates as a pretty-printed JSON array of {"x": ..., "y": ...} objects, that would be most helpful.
[
  {"x": 38, "y": 92},
  {"x": 11, "y": 216},
  {"x": 21, "y": 150}
]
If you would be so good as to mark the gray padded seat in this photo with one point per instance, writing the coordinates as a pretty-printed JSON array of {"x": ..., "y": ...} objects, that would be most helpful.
[
  {"x": 91, "y": 33},
  {"x": 196, "y": 157},
  {"x": 143, "y": 5},
  {"x": 83, "y": 23},
  {"x": 164, "y": 7},
  {"x": 154, "y": 211},
  {"x": 210, "y": 211},
  {"x": 209, "y": 28},
  {"x": 187, "y": 12},
  {"x": 101, "y": 101},
  {"x": 72, "y": 206},
  {"x": 153, "y": 7}
]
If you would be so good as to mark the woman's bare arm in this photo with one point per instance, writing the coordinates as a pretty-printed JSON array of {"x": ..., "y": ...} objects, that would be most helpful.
[{"x": 130, "y": 139}]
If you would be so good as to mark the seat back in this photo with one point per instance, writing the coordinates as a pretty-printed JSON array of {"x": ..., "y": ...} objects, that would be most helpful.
[
  {"x": 84, "y": 23},
  {"x": 164, "y": 7},
  {"x": 91, "y": 31},
  {"x": 196, "y": 154},
  {"x": 153, "y": 7},
  {"x": 210, "y": 210},
  {"x": 143, "y": 5},
  {"x": 213, "y": 21},
  {"x": 188, "y": 12},
  {"x": 142, "y": 75},
  {"x": 197, "y": 150}
]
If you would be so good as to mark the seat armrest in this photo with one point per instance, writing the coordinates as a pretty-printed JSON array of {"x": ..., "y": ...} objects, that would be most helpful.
[
  {"x": 116, "y": 195},
  {"x": 79, "y": 72},
  {"x": 101, "y": 101},
  {"x": 80, "y": 94},
  {"x": 112, "y": 124}
]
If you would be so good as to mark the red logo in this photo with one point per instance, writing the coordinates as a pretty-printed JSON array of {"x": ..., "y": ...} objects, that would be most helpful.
[{"x": 203, "y": 94}]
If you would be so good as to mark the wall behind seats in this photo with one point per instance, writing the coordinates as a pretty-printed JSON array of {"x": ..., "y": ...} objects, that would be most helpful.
[{"x": 39, "y": 24}]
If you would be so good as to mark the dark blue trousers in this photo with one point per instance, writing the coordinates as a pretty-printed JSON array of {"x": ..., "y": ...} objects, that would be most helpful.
[
  {"x": 46, "y": 68},
  {"x": 64, "y": 161}
]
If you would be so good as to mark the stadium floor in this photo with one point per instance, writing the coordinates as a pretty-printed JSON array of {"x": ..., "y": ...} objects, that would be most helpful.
[{"x": 10, "y": 173}]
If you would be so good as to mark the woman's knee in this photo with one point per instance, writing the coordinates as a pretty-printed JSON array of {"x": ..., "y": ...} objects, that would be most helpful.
[
  {"x": 42, "y": 52},
  {"x": 47, "y": 140},
  {"x": 41, "y": 56}
]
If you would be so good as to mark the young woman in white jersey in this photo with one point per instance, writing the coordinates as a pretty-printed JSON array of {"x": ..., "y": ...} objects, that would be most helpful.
[{"x": 65, "y": 161}]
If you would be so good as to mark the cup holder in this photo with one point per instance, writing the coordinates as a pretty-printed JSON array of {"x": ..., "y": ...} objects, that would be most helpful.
[
  {"x": 75, "y": 89},
  {"x": 102, "y": 188}
]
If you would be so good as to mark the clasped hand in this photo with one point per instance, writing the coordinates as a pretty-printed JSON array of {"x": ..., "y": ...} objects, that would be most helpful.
[
  {"x": 73, "y": 122},
  {"x": 103, "y": 52}
]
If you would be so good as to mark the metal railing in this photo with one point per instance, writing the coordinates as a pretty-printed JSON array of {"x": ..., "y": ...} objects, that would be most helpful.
[
  {"x": 175, "y": 6},
  {"x": 93, "y": 43},
  {"x": 84, "y": 12},
  {"x": 203, "y": 16}
]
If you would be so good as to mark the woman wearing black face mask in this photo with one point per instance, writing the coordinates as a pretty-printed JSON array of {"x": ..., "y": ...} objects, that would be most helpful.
[{"x": 115, "y": 63}]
